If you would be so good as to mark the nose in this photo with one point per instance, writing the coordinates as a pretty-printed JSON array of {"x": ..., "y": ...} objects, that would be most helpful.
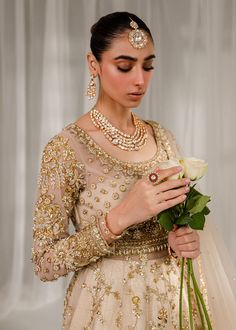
[{"x": 139, "y": 77}]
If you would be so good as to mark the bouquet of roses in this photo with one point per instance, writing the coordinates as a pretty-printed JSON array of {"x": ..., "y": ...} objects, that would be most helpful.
[{"x": 190, "y": 213}]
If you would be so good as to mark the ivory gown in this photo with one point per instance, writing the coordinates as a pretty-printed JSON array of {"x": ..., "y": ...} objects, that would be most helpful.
[{"x": 130, "y": 284}]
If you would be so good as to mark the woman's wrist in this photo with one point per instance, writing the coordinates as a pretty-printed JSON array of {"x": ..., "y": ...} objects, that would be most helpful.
[
  {"x": 107, "y": 232},
  {"x": 110, "y": 227},
  {"x": 115, "y": 222}
]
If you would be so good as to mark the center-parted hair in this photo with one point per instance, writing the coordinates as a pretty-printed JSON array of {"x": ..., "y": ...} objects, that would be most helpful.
[{"x": 110, "y": 27}]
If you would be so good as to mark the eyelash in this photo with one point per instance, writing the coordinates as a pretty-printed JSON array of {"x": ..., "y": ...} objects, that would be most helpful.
[{"x": 127, "y": 70}]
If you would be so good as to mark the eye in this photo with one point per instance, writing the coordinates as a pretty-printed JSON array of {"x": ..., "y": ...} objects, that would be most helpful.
[
  {"x": 148, "y": 68},
  {"x": 124, "y": 69}
]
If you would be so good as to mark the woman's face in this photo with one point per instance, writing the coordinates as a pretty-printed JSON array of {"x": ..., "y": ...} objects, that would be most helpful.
[{"x": 125, "y": 72}]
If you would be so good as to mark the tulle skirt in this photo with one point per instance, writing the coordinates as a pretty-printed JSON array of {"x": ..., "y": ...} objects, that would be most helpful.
[{"x": 143, "y": 294}]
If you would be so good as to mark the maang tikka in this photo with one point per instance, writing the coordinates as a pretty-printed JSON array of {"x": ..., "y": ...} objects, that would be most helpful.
[
  {"x": 137, "y": 37},
  {"x": 91, "y": 89}
]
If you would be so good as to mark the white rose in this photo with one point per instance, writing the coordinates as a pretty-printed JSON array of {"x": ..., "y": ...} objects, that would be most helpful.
[
  {"x": 194, "y": 168},
  {"x": 171, "y": 163}
]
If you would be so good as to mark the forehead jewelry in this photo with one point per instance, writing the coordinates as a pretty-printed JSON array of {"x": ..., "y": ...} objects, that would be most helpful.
[{"x": 137, "y": 37}]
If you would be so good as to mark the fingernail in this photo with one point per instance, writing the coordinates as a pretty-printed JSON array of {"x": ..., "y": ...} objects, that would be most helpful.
[
  {"x": 187, "y": 181},
  {"x": 187, "y": 188},
  {"x": 179, "y": 168}
]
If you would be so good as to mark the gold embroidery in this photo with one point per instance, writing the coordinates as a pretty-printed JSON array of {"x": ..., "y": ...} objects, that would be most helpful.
[
  {"x": 59, "y": 164},
  {"x": 67, "y": 308},
  {"x": 141, "y": 239},
  {"x": 103, "y": 191},
  {"x": 115, "y": 196},
  {"x": 113, "y": 184},
  {"x": 92, "y": 218},
  {"x": 55, "y": 253},
  {"x": 122, "y": 188},
  {"x": 107, "y": 205},
  {"x": 101, "y": 179},
  {"x": 137, "y": 310},
  {"x": 89, "y": 193},
  {"x": 99, "y": 213},
  {"x": 93, "y": 186},
  {"x": 164, "y": 151}
]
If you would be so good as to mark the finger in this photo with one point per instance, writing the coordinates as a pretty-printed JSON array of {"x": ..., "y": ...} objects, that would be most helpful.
[
  {"x": 169, "y": 203},
  {"x": 190, "y": 254},
  {"x": 186, "y": 230},
  {"x": 187, "y": 247},
  {"x": 163, "y": 196},
  {"x": 171, "y": 184},
  {"x": 165, "y": 173},
  {"x": 188, "y": 239}
]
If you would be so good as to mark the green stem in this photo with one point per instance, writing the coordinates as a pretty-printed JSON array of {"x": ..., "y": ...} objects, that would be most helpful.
[
  {"x": 197, "y": 299},
  {"x": 189, "y": 294},
  {"x": 181, "y": 295},
  {"x": 200, "y": 310},
  {"x": 198, "y": 292}
]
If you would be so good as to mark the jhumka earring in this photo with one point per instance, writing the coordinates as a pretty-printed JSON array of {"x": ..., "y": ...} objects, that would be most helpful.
[{"x": 91, "y": 89}]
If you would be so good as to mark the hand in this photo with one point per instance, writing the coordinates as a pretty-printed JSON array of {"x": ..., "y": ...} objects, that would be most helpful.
[
  {"x": 146, "y": 200},
  {"x": 185, "y": 242}
]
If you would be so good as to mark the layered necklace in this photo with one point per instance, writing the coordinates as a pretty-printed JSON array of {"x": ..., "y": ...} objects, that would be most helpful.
[{"x": 118, "y": 138}]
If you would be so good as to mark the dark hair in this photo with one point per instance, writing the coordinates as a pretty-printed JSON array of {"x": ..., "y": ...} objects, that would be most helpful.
[{"x": 109, "y": 27}]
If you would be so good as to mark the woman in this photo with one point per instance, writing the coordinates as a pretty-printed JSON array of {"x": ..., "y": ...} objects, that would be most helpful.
[{"x": 102, "y": 173}]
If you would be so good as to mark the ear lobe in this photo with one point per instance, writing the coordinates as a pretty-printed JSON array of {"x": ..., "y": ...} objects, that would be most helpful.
[{"x": 92, "y": 64}]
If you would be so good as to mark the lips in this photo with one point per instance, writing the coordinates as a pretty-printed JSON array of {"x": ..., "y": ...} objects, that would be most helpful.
[{"x": 136, "y": 93}]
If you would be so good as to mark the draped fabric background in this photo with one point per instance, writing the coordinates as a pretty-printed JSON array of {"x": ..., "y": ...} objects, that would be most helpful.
[{"x": 43, "y": 78}]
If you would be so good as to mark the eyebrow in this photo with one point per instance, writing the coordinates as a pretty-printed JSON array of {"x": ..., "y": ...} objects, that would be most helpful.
[{"x": 133, "y": 59}]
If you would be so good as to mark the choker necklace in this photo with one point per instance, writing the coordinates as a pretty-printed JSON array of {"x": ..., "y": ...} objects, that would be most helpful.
[{"x": 120, "y": 139}]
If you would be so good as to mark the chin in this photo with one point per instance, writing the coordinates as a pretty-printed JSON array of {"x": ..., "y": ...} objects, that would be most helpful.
[
  {"x": 130, "y": 103},
  {"x": 134, "y": 104}
]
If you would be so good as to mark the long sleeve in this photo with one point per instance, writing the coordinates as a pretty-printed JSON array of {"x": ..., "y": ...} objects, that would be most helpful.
[{"x": 55, "y": 252}]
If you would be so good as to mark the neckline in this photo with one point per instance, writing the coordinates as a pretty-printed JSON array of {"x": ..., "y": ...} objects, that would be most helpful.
[{"x": 100, "y": 150}]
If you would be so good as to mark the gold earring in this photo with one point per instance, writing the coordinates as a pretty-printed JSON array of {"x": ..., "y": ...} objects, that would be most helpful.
[{"x": 91, "y": 89}]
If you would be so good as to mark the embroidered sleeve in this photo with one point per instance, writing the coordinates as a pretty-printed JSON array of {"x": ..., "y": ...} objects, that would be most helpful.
[{"x": 55, "y": 252}]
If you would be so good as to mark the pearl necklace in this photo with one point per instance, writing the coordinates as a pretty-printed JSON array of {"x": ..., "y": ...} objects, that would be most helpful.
[{"x": 120, "y": 139}]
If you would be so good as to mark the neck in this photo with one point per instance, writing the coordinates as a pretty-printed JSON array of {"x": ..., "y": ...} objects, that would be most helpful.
[{"x": 118, "y": 115}]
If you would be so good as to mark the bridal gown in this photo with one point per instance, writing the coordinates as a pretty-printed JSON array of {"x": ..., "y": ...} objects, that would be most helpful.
[{"x": 131, "y": 283}]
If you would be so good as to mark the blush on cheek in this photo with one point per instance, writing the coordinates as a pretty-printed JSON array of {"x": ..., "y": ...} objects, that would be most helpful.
[{"x": 114, "y": 81}]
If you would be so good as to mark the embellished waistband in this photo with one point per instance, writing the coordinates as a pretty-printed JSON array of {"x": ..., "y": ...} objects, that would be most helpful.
[
  {"x": 137, "y": 247},
  {"x": 141, "y": 256}
]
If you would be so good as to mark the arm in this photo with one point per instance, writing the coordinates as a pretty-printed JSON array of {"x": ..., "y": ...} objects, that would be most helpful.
[{"x": 55, "y": 252}]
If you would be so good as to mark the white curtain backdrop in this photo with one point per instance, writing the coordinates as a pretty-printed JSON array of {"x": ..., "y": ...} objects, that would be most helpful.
[{"x": 43, "y": 78}]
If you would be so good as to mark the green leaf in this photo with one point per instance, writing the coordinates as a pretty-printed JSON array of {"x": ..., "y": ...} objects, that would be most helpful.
[
  {"x": 193, "y": 192},
  {"x": 206, "y": 210},
  {"x": 165, "y": 220},
  {"x": 183, "y": 220},
  {"x": 192, "y": 197},
  {"x": 199, "y": 204},
  {"x": 198, "y": 221}
]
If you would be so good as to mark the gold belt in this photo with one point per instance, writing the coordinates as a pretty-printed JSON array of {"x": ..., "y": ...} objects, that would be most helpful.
[{"x": 138, "y": 257}]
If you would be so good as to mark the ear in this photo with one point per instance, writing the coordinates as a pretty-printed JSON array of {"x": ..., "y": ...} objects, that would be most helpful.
[{"x": 93, "y": 64}]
